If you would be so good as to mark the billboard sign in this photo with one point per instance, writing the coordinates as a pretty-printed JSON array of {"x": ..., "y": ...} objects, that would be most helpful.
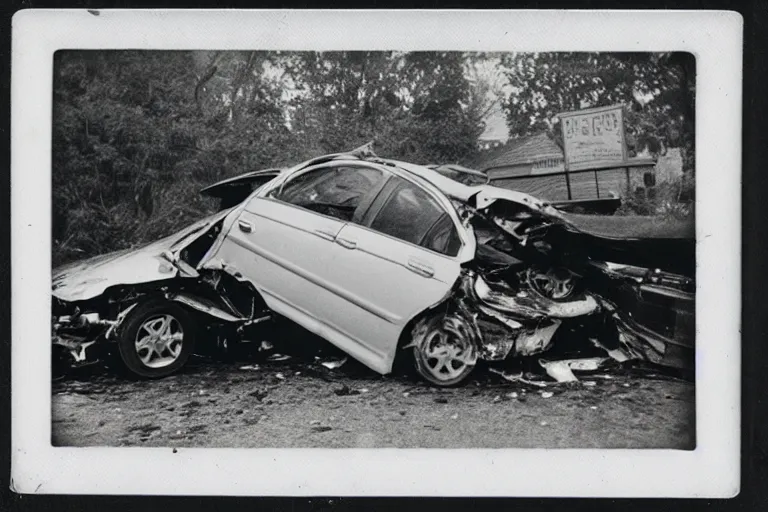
[{"x": 594, "y": 138}]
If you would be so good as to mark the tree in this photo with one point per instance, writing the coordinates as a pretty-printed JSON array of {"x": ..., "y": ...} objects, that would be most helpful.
[
  {"x": 415, "y": 105},
  {"x": 658, "y": 90},
  {"x": 137, "y": 133}
]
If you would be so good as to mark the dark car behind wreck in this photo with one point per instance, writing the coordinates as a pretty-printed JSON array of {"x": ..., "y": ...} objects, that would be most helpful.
[{"x": 386, "y": 260}]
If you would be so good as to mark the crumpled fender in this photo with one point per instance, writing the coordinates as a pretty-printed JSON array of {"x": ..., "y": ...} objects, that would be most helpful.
[{"x": 89, "y": 278}]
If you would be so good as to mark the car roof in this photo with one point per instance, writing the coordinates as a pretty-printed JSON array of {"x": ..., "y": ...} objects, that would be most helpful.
[{"x": 446, "y": 185}]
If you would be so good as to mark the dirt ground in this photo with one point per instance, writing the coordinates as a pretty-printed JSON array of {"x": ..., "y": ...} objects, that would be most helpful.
[{"x": 297, "y": 402}]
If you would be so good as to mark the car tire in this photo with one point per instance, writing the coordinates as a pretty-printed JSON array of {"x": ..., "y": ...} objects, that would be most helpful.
[
  {"x": 440, "y": 355},
  {"x": 156, "y": 339}
]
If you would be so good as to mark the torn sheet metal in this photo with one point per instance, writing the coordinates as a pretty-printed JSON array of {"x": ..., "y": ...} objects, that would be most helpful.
[
  {"x": 533, "y": 305},
  {"x": 204, "y": 305},
  {"x": 332, "y": 364},
  {"x": 76, "y": 347},
  {"x": 498, "y": 333},
  {"x": 120, "y": 317},
  {"x": 558, "y": 370},
  {"x": 562, "y": 371},
  {"x": 537, "y": 340}
]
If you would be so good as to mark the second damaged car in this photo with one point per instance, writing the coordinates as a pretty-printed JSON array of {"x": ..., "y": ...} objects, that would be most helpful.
[{"x": 386, "y": 260}]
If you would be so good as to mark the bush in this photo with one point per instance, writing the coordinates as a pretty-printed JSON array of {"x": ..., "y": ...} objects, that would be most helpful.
[{"x": 668, "y": 199}]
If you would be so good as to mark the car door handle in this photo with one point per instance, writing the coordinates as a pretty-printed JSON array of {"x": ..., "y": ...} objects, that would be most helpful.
[
  {"x": 346, "y": 243},
  {"x": 245, "y": 226},
  {"x": 327, "y": 235},
  {"x": 421, "y": 268}
]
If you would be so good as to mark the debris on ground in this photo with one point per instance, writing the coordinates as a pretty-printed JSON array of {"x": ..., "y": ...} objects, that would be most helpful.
[
  {"x": 332, "y": 364},
  {"x": 547, "y": 394},
  {"x": 518, "y": 377},
  {"x": 279, "y": 376},
  {"x": 278, "y": 357},
  {"x": 558, "y": 370},
  {"x": 441, "y": 400},
  {"x": 321, "y": 428},
  {"x": 562, "y": 371},
  {"x": 345, "y": 390},
  {"x": 250, "y": 367}
]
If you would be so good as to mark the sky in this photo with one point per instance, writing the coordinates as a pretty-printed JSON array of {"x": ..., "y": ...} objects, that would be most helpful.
[{"x": 496, "y": 125}]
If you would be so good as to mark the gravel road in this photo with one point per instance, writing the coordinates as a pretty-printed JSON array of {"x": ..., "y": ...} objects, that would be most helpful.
[{"x": 299, "y": 403}]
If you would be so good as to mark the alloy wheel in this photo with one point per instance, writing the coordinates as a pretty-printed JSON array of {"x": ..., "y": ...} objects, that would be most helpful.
[{"x": 159, "y": 341}]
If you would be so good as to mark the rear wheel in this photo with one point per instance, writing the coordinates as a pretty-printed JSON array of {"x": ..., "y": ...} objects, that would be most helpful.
[
  {"x": 156, "y": 339},
  {"x": 443, "y": 350}
]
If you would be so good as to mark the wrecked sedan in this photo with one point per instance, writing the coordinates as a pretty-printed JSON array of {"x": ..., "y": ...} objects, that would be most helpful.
[{"x": 385, "y": 259}]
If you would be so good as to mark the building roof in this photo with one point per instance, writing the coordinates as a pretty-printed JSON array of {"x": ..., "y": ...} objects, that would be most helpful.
[{"x": 524, "y": 150}]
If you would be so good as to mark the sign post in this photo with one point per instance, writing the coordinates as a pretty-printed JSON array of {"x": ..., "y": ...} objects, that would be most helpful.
[{"x": 593, "y": 138}]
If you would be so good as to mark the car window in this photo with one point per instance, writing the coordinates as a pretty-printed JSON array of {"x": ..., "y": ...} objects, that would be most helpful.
[
  {"x": 336, "y": 192},
  {"x": 411, "y": 214},
  {"x": 444, "y": 238}
]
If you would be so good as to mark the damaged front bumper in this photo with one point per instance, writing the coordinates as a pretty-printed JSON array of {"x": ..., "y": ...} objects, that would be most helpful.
[{"x": 75, "y": 333}]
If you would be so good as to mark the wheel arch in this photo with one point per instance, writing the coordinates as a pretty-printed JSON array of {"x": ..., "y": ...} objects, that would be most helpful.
[
  {"x": 402, "y": 356},
  {"x": 450, "y": 300}
]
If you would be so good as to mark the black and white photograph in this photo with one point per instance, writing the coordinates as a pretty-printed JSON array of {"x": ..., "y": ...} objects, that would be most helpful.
[
  {"x": 353, "y": 248},
  {"x": 233, "y": 270}
]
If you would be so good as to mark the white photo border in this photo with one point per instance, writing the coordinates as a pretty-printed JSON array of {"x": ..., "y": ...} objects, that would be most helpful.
[{"x": 712, "y": 470}]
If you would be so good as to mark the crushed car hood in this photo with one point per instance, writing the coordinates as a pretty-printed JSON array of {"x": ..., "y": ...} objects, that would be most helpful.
[{"x": 89, "y": 278}]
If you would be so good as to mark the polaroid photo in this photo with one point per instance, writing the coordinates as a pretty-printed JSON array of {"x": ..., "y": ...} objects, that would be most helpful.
[{"x": 390, "y": 253}]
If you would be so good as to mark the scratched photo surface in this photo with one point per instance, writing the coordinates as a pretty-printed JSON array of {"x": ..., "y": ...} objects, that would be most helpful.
[{"x": 390, "y": 249}]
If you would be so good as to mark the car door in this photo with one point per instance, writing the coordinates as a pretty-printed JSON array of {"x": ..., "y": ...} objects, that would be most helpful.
[
  {"x": 283, "y": 242},
  {"x": 402, "y": 258}
]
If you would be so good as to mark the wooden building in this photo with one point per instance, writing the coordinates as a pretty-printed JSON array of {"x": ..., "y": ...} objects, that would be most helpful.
[{"x": 535, "y": 165}]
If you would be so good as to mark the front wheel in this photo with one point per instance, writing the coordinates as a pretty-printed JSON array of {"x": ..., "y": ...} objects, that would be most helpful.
[
  {"x": 443, "y": 349},
  {"x": 156, "y": 339}
]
